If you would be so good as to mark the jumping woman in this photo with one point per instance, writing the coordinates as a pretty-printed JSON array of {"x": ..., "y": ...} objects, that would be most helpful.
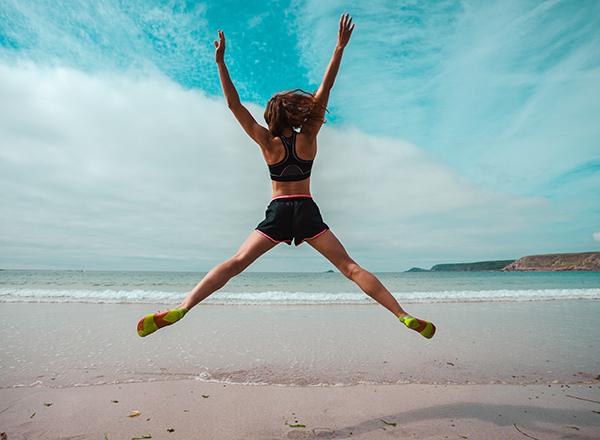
[{"x": 289, "y": 146}]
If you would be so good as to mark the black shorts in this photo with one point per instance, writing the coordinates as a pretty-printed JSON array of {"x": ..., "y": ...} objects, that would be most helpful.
[{"x": 292, "y": 217}]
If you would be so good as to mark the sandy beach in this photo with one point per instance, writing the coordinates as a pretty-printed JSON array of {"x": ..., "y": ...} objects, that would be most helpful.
[
  {"x": 194, "y": 410},
  {"x": 493, "y": 371}
]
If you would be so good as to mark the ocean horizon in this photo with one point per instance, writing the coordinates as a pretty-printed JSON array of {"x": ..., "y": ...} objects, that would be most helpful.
[{"x": 281, "y": 288}]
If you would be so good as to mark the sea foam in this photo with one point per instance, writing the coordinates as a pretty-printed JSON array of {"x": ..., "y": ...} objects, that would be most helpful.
[{"x": 286, "y": 298}]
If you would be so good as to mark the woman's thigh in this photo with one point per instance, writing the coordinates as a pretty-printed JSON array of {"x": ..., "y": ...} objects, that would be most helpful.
[
  {"x": 255, "y": 245},
  {"x": 328, "y": 245}
]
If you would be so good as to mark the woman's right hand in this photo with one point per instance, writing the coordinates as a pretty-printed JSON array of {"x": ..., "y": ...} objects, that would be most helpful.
[
  {"x": 220, "y": 48},
  {"x": 345, "y": 31}
]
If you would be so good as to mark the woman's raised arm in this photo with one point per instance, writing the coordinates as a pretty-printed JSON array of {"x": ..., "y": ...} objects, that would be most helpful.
[
  {"x": 344, "y": 33},
  {"x": 257, "y": 132}
]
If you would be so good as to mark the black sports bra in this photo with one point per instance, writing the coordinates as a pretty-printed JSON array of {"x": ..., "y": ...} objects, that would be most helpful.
[{"x": 291, "y": 168}]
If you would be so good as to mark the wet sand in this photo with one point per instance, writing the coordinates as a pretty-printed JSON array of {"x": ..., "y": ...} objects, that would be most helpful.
[
  {"x": 341, "y": 371},
  {"x": 60, "y": 345}
]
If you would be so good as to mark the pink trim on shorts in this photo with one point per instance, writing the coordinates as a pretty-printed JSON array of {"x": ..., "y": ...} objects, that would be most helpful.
[
  {"x": 289, "y": 197},
  {"x": 310, "y": 238},
  {"x": 273, "y": 240}
]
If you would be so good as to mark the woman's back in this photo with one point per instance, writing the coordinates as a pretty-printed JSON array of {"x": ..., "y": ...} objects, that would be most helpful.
[{"x": 289, "y": 158}]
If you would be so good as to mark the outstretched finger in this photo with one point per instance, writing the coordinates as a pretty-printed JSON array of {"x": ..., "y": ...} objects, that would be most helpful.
[
  {"x": 345, "y": 22},
  {"x": 220, "y": 47}
]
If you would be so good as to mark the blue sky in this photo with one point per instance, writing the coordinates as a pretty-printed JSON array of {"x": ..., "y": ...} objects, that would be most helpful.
[{"x": 459, "y": 130}]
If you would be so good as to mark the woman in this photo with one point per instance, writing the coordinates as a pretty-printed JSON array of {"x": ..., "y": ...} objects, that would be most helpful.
[{"x": 292, "y": 213}]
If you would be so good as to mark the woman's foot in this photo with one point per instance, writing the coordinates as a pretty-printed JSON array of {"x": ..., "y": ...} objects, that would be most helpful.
[
  {"x": 151, "y": 323},
  {"x": 425, "y": 328}
]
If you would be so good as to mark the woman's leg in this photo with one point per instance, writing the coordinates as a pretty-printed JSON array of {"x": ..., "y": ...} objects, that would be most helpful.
[
  {"x": 254, "y": 246},
  {"x": 331, "y": 248}
]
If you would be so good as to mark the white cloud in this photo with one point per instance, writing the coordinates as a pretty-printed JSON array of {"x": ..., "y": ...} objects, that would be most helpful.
[
  {"x": 389, "y": 194},
  {"x": 108, "y": 172},
  {"x": 596, "y": 236},
  {"x": 126, "y": 167}
]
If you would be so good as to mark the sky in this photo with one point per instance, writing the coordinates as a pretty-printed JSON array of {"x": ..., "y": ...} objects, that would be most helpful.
[{"x": 459, "y": 131}]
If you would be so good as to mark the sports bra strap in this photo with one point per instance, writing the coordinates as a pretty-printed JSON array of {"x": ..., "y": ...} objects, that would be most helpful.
[{"x": 291, "y": 168}]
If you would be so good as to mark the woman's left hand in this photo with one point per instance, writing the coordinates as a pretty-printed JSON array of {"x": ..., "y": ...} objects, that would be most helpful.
[{"x": 220, "y": 46}]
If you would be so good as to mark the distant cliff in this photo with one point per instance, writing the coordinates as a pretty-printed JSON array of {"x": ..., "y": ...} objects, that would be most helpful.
[
  {"x": 541, "y": 263},
  {"x": 482, "y": 266},
  {"x": 556, "y": 262},
  {"x": 472, "y": 267}
]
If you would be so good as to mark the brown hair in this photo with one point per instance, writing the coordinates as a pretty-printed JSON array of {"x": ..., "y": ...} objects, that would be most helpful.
[{"x": 294, "y": 108}]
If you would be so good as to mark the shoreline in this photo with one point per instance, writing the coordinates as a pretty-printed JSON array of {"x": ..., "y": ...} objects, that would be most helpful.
[{"x": 579, "y": 379}]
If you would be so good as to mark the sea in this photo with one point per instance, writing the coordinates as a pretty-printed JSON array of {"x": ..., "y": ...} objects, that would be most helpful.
[
  {"x": 330, "y": 288},
  {"x": 78, "y": 328}
]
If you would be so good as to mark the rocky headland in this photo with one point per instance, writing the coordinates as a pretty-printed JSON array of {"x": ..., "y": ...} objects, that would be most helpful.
[
  {"x": 584, "y": 261},
  {"x": 556, "y": 262}
]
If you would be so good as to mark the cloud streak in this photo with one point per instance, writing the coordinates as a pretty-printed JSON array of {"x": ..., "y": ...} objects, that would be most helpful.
[{"x": 491, "y": 87}]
